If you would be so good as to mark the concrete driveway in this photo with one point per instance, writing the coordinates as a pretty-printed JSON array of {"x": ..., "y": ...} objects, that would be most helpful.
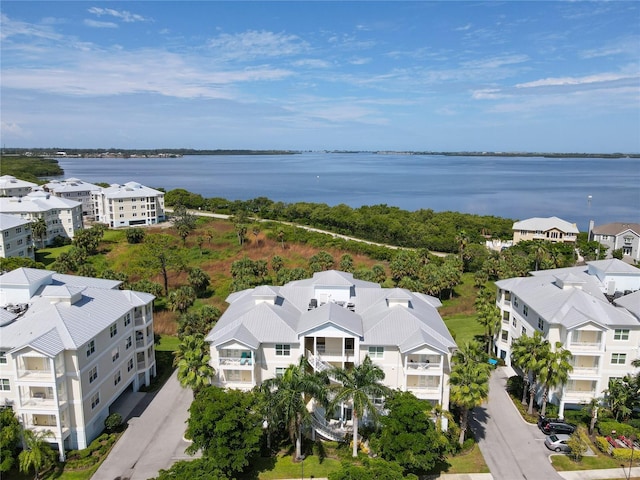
[
  {"x": 153, "y": 440},
  {"x": 512, "y": 448}
]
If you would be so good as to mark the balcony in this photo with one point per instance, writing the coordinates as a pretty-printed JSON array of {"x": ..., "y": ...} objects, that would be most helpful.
[{"x": 45, "y": 375}]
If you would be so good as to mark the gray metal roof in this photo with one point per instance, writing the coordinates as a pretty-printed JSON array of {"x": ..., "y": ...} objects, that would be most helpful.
[
  {"x": 407, "y": 326},
  {"x": 631, "y": 302},
  {"x": 545, "y": 224},
  {"x": 64, "y": 315},
  {"x": 569, "y": 306},
  {"x": 12, "y": 221}
]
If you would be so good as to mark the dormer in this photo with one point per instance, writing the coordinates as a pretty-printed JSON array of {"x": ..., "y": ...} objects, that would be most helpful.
[
  {"x": 398, "y": 296},
  {"x": 265, "y": 294},
  {"x": 62, "y": 294},
  {"x": 568, "y": 281}
]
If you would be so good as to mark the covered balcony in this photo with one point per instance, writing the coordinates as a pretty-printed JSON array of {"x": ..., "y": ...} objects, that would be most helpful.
[
  {"x": 585, "y": 366},
  {"x": 425, "y": 387},
  {"x": 236, "y": 378},
  {"x": 238, "y": 359},
  {"x": 42, "y": 398},
  {"x": 579, "y": 391},
  {"x": 422, "y": 364},
  {"x": 36, "y": 369},
  {"x": 585, "y": 341}
]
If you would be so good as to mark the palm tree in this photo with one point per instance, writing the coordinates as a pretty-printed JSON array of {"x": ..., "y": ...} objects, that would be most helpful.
[
  {"x": 39, "y": 230},
  {"x": 488, "y": 316},
  {"x": 359, "y": 386},
  {"x": 291, "y": 392},
  {"x": 554, "y": 372},
  {"x": 199, "y": 279},
  {"x": 529, "y": 355},
  {"x": 469, "y": 388},
  {"x": 181, "y": 299},
  {"x": 192, "y": 359},
  {"x": 37, "y": 453}
]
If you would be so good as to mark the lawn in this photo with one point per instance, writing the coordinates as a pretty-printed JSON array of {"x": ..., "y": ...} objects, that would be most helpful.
[
  {"x": 284, "y": 467},
  {"x": 463, "y": 327}
]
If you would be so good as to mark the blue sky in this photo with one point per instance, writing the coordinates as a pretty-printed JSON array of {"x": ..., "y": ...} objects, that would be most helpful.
[{"x": 425, "y": 76}]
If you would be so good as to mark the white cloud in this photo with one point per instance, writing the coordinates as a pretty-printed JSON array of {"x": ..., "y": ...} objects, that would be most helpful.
[
  {"x": 463, "y": 28},
  {"x": 11, "y": 128},
  {"x": 97, "y": 24},
  {"x": 123, "y": 15},
  {"x": 566, "y": 81},
  {"x": 253, "y": 44}
]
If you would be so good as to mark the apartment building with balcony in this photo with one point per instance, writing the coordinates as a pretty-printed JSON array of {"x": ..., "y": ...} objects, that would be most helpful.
[
  {"x": 14, "y": 187},
  {"x": 63, "y": 217},
  {"x": 551, "y": 229},
  {"x": 618, "y": 236},
  {"x": 76, "y": 190},
  {"x": 69, "y": 347},
  {"x": 569, "y": 305},
  {"x": 333, "y": 320},
  {"x": 128, "y": 205},
  {"x": 15, "y": 237}
]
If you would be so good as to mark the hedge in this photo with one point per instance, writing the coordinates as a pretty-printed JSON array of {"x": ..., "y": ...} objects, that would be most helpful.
[
  {"x": 622, "y": 453},
  {"x": 605, "y": 428},
  {"x": 603, "y": 445}
]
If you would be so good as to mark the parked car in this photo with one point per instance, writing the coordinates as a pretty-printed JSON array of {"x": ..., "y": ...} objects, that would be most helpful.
[
  {"x": 558, "y": 442},
  {"x": 555, "y": 425}
]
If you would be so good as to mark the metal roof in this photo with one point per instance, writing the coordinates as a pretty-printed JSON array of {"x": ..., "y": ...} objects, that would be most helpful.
[
  {"x": 545, "y": 224},
  {"x": 373, "y": 319}
]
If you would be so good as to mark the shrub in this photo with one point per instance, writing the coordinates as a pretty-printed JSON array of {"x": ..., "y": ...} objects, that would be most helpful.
[
  {"x": 605, "y": 428},
  {"x": 622, "y": 453},
  {"x": 602, "y": 444},
  {"x": 113, "y": 422},
  {"x": 81, "y": 463}
]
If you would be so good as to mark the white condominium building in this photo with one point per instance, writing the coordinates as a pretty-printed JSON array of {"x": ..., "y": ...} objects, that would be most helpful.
[
  {"x": 586, "y": 309},
  {"x": 63, "y": 217},
  {"x": 552, "y": 229},
  {"x": 14, "y": 187},
  {"x": 334, "y": 320},
  {"x": 16, "y": 238},
  {"x": 69, "y": 347},
  {"x": 128, "y": 205},
  {"x": 74, "y": 189}
]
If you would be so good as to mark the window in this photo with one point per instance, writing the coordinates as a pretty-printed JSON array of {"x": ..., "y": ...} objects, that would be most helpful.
[
  {"x": 514, "y": 322},
  {"x": 505, "y": 316},
  {"x": 130, "y": 365},
  {"x": 280, "y": 372},
  {"x": 621, "y": 334},
  {"x": 233, "y": 375},
  {"x": 525, "y": 310},
  {"x": 93, "y": 374},
  {"x": 95, "y": 400},
  {"x": 91, "y": 347},
  {"x": 505, "y": 336},
  {"x": 376, "y": 352},
  {"x": 540, "y": 323},
  {"x": 618, "y": 358},
  {"x": 4, "y": 385},
  {"x": 515, "y": 301},
  {"x": 127, "y": 319},
  {"x": 3, "y": 357},
  {"x": 113, "y": 330},
  {"x": 283, "y": 350},
  {"x": 524, "y": 331},
  {"x": 128, "y": 343},
  {"x": 115, "y": 354},
  {"x": 117, "y": 378}
]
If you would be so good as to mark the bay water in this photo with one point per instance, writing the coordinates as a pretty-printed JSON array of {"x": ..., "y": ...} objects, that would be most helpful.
[{"x": 575, "y": 189}]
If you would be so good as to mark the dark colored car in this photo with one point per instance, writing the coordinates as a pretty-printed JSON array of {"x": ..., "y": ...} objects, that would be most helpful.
[{"x": 554, "y": 425}]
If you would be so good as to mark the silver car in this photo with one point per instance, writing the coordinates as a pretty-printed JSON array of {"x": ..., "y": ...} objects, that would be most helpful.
[{"x": 558, "y": 442}]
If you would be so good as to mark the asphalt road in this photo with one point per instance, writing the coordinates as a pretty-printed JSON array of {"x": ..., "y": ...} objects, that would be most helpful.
[
  {"x": 154, "y": 440},
  {"x": 512, "y": 448}
]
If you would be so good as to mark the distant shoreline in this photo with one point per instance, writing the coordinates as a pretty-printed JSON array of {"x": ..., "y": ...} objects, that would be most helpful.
[{"x": 180, "y": 152}]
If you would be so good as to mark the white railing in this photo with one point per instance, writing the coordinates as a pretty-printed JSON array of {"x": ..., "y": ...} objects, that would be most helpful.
[
  {"x": 422, "y": 366},
  {"x": 317, "y": 363},
  {"x": 35, "y": 373},
  {"x": 334, "y": 352},
  {"x": 235, "y": 361},
  {"x": 584, "y": 371},
  {"x": 332, "y": 429}
]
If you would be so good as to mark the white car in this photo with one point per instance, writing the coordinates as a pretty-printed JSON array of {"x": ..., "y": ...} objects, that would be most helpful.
[{"x": 558, "y": 442}]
